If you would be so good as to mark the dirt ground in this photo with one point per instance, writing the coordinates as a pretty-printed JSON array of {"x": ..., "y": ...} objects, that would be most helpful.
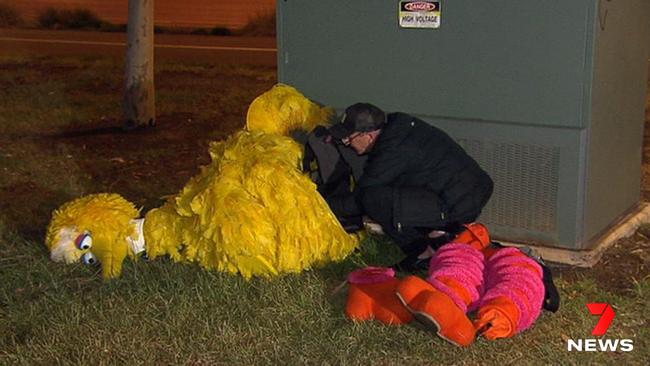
[
  {"x": 143, "y": 165},
  {"x": 117, "y": 163}
]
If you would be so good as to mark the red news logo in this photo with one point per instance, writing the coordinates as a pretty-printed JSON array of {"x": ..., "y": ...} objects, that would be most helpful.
[{"x": 607, "y": 315}]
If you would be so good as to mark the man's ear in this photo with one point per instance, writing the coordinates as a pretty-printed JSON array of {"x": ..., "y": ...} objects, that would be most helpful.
[{"x": 374, "y": 134}]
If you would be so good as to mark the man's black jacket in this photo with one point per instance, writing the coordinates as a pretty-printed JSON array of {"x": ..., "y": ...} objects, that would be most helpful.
[{"x": 437, "y": 182}]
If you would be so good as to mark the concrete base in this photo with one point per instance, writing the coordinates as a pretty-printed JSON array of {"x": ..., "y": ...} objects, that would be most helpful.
[{"x": 588, "y": 258}]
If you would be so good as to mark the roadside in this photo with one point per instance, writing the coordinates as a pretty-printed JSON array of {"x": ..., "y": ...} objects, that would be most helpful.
[
  {"x": 220, "y": 18},
  {"x": 187, "y": 48}
]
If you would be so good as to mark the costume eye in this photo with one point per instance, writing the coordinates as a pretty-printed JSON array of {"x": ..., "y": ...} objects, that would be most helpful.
[
  {"x": 84, "y": 241},
  {"x": 88, "y": 258}
]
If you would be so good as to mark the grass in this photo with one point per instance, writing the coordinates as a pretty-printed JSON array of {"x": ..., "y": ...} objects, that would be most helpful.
[{"x": 56, "y": 143}]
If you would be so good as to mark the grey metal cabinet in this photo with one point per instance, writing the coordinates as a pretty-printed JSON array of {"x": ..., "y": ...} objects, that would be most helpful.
[{"x": 548, "y": 96}]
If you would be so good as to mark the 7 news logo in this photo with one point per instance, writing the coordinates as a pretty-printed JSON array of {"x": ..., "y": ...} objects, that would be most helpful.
[{"x": 607, "y": 315}]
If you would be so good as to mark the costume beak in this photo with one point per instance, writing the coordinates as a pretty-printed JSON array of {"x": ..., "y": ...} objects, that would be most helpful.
[{"x": 110, "y": 257}]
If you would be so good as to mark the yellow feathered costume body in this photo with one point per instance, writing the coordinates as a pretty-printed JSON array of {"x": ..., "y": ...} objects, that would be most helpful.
[{"x": 251, "y": 210}]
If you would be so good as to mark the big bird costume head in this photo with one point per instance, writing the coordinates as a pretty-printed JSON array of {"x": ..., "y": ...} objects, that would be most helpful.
[
  {"x": 96, "y": 228},
  {"x": 250, "y": 211}
]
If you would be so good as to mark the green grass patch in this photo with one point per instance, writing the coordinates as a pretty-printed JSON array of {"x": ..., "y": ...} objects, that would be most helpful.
[
  {"x": 60, "y": 138},
  {"x": 166, "y": 313}
]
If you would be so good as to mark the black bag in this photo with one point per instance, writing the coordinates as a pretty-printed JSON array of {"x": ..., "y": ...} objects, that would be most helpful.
[{"x": 334, "y": 168}]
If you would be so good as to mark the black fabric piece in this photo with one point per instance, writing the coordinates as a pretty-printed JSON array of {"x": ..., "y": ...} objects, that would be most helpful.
[
  {"x": 419, "y": 207},
  {"x": 344, "y": 204},
  {"x": 418, "y": 245},
  {"x": 496, "y": 244},
  {"x": 329, "y": 165},
  {"x": 307, "y": 157},
  {"x": 412, "y": 264},
  {"x": 351, "y": 224},
  {"x": 551, "y": 294},
  {"x": 299, "y": 135},
  {"x": 355, "y": 161},
  {"x": 413, "y": 249},
  {"x": 377, "y": 202},
  {"x": 335, "y": 163},
  {"x": 333, "y": 177}
]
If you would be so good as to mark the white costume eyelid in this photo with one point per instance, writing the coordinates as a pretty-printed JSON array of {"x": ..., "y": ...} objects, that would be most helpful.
[{"x": 61, "y": 250}]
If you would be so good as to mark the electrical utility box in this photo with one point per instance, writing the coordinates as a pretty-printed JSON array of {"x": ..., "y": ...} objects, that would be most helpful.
[{"x": 548, "y": 96}]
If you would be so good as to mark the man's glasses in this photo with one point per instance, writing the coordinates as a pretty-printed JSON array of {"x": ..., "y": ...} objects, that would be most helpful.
[{"x": 348, "y": 140}]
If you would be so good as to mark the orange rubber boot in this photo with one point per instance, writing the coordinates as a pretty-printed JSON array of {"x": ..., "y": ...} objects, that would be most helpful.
[
  {"x": 371, "y": 295},
  {"x": 513, "y": 296},
  {"x": 475, "y": 234},
  {"x": 436, "y": 310},
  {"x": 497, "y": 319}
]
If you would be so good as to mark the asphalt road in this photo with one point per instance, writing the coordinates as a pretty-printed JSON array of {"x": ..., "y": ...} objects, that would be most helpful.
[{"x": 187, "y": 48}]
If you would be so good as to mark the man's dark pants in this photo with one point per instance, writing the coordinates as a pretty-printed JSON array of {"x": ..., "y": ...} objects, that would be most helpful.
[{"x": 408, "y": 214}]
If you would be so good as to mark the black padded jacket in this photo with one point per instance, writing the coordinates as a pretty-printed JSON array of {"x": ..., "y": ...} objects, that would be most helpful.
[{"x": 411, "y": 153}]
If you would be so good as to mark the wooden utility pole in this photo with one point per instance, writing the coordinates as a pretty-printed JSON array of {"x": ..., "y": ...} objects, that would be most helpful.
[{"x": 139, "y": 99}]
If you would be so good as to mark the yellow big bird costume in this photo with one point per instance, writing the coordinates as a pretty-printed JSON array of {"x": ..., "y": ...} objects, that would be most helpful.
[{"x": 250, "y": 211}]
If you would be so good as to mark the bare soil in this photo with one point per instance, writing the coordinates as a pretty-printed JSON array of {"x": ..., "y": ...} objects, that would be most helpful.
[{"x": 144, "y": 165}]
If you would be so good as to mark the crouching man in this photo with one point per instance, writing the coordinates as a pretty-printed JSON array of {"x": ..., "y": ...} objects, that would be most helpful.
[{"x": 417, "y": 182}]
